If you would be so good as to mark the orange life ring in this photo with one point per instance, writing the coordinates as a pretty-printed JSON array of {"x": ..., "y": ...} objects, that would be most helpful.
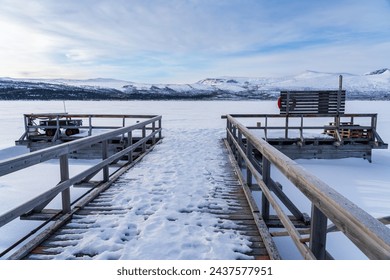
[{"x": 280, "y": 102}]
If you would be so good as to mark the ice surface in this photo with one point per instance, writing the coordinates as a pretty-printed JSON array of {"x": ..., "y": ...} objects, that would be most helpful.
[{"x": 183, "y": 169}]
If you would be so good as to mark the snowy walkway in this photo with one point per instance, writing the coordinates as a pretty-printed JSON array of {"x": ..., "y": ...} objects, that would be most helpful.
[{"x": 166, "y": 207}]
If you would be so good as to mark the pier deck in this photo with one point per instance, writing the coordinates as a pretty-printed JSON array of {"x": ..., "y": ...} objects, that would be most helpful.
[{"x": 225, "y": 204}]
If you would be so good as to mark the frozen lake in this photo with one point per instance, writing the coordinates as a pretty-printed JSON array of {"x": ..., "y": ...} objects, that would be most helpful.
[{"x": 366, "y": 184}]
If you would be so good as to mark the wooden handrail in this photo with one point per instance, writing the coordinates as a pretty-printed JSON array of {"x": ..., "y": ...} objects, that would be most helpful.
[
  {"x": 364, "y": 115},
  {"x": 30, "y": 159},
  {"x": 366, "y": 232},
  {"x": 65, "y": 115},
  {"x": 62, "y": 151}
]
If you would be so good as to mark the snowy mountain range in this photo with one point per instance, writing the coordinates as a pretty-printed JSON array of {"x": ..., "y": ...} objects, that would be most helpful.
[{"x": 370, "y": 86}]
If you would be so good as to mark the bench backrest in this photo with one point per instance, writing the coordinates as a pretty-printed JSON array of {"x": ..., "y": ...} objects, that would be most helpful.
[{"x": 312, "y": 102}]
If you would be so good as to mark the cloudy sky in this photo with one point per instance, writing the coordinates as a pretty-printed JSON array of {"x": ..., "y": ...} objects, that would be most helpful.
[{"x": 182, "y": 41}]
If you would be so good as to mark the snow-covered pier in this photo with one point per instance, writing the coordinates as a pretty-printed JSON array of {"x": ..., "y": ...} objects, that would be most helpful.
[
  {"x": 96, "y": 178},
  {"x": 165, "y": 215},
  {"x": 256, "y": 157},
  {"x": 167, "y": 206},
  {"x": 184, "y": 201}
]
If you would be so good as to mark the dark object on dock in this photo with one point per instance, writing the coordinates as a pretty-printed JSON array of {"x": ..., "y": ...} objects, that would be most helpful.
[
  {"x": 57, "y": 124},
  {"x": 49, "y": 129}
]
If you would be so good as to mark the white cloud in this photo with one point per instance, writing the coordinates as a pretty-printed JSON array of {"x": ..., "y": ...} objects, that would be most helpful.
[{"x": 176, "y": 40}]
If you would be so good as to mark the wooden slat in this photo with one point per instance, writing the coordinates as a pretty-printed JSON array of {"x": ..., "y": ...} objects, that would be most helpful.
[
  {"x": 238, "y": 211},
  {"x": 315, "y": 102}
]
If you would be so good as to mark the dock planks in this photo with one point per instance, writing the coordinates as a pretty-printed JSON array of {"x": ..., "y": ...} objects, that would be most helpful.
[{"x": 238, "y": 217}]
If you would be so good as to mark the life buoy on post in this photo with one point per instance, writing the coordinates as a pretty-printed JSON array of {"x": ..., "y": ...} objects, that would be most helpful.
[{"x": 280, "y": 102}]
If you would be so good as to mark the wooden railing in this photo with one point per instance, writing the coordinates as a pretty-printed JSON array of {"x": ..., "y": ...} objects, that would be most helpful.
[
  {"x": 150, "y": 131},
  {"x": 88, "y": 122},
  {"x": 294, "y": 126},
  {"x": 256, "y": 156}
]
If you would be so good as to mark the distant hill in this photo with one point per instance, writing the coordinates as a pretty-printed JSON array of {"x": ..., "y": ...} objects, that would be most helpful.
[{"x": 374, "y": 85}]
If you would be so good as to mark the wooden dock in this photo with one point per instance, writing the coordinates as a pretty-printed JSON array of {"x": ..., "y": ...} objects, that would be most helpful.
[
  {"x": 245, "y": 170},
  {"x": 50, "y": 129},
  {"x": 244, "y": 216},
  {"x": 254, "y": 157}
]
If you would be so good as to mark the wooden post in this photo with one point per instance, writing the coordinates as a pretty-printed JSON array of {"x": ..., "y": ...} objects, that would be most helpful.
[
  {"x": 26, "y": 124},
  {"x": 239, "y": 158},
  {"x": 339, "y": 94},
  {"x": 235, "y": 150},
  {"x": 229, "y": 128},
  {"x": 64, "y": 173},
  {"x": 129, "y": 143},
  {"x": 153, "y": 130},
  {"x": 143, "y": 136},
  {"x": 159, "y": 126},
  {"x": 106, "y": 171},
  {"x": 123, "y": 125},
  {"x": 288, "y": 103},
  {"x": 318, "y": 233},
  {"x": 337, "y": 128},
  {"x": 340, "y": 82},
  {"x": 57, "y": 131},
  {"x": 266, "y": 173},
  {"x": 249, "y": 156},
  {"x": 374, "y": 120},
  {"x": 301, "y": 131},
  {"x": 287, "y": 113},
  {"x": 90, "y": 126}
]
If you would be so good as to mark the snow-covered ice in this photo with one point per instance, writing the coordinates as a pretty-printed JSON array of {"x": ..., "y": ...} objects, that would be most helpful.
[{"x": 179, "y": 174}]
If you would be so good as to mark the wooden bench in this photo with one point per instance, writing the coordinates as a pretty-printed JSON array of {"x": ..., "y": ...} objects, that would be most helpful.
[{"x": 312, "y": 102}]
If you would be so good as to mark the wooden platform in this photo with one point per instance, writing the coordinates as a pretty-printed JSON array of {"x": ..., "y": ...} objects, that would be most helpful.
[{"x": 239, "y": 213}]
